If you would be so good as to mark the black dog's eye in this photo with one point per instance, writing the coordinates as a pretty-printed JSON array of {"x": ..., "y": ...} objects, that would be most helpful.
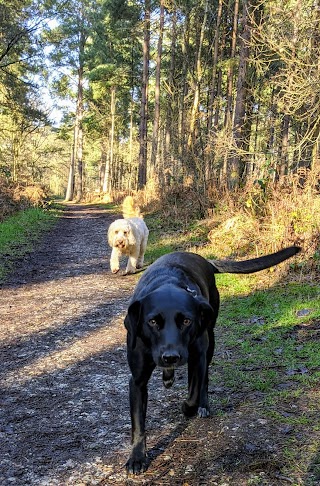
[
  {"x": 186, "y": 322},
  {"x": 153, "y": 323}
]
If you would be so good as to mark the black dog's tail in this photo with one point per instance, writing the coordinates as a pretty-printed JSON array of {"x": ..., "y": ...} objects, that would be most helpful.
[{"x": 256, "y": 264}]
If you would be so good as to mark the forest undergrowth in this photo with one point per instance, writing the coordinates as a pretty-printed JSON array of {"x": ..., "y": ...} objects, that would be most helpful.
[{"x": 257, "y": 219}]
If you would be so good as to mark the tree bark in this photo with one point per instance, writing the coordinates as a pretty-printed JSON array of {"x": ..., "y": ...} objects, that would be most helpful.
[
  {"x": 142, "y": 172},
  {"x": 79, "y": 121},
  {"x": 235, "y": 163},
  {"x": 227, "y": 119},
  {"x": 198, "y": 79},
  {"x": 103, "y": 163},
  {"x": 284, "y": 146},
  {"x": 70, "y": 186},
  {"x": 112, "y": 129},
  {"x": 168, "y": 149},
  {"x": 183, "y": 90},
  {"x": 156, "y": 120},
  {"x": 214, "y": 81}
]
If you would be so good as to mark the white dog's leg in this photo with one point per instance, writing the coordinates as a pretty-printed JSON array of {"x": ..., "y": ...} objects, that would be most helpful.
[
  {"x": 114, "y": 260},
  {"x": 143, "y": 248},
  {"x": 132, "y": 261}
]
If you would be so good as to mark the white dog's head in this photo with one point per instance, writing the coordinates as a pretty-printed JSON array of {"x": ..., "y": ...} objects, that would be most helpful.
[{"x": 120, "y": 235}]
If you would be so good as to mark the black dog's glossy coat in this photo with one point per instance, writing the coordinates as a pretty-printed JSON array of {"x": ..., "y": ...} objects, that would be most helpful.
[{"x": 170, "y": 322}]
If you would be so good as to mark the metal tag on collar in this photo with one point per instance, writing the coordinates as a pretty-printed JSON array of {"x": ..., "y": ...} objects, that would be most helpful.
[{"x": 192, "y": 292}]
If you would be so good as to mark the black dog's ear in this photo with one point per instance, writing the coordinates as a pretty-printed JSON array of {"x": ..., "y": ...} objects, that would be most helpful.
[
  {"x": 207, "y": 314},
  {"x": 131, "y": 322}
]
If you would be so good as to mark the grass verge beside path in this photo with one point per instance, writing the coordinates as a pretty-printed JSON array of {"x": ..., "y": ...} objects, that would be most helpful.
[
  {"x": 266, "y": 364},
  {"x": 268, "y": 354},
  {"x": 20, "y": 232}
]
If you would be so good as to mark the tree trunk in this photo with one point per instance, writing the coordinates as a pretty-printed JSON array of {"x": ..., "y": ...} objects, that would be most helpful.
[
  {"x": 168, "y": 149},
  {"x": 131, "y": 179},
  {"x": 213, "y": 86},
  {"x": 283, "y": 170},
  {"x": 217, "y": 105},
  {"x": 78, "y": 123},
  {"x": 198, "y": 79},
  {"x": 156, "y": 120},
  {"x": 270, "y": 125},
  {"x": 227, "y": 119},
  {"x": 103, "y": 163},
  {"x": 142, "y": 173},
  {"x": 235, "y": 165},
  {"x": 79, "y": 167},
  {"x": 70, "y": 186},
  {"x": 113, "y": 115},
  {"x": 184, "y": 90}
]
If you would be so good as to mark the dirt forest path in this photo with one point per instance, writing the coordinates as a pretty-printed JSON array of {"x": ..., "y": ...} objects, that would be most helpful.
[
  {"x": 64, "y": 415},
  {"x": 64, "y": 411}
]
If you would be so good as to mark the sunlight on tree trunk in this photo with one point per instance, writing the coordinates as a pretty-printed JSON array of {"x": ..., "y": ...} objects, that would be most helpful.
[
  {"x": 228, "y": 112},
  {"x": 70, "y": 186},
  {"x": 235, "y": 163},
  {"x": 198, "y": 79},
  {"x": 142, "y": 174},
  {"x": 156, "y": 117}
]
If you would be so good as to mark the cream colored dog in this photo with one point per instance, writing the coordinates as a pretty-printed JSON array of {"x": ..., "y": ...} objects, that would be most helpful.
[{"x": 128, "y": 236}]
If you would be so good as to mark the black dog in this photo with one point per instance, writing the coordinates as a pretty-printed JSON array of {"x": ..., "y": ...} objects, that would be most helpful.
[{"x": 170, "y": 322}]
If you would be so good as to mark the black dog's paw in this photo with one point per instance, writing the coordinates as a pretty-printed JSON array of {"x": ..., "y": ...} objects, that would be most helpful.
[
  {"x": 189, "y": 410},
  {"x": 168, "y": 377},
  {"x": 192, "y": 410},
  {"x": 203, "y": 412},
  {"x": 136, "y": 465}
]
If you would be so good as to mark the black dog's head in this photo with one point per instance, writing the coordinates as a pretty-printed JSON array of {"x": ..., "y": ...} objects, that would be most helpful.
[{"x": 168, "y": 320}]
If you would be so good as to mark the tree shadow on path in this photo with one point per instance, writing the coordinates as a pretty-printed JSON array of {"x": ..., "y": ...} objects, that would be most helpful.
[{"x": 64, "y": 374}]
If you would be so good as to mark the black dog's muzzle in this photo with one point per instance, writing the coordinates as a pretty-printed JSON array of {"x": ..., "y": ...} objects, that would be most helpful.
[{"x": 170, "y": 358}]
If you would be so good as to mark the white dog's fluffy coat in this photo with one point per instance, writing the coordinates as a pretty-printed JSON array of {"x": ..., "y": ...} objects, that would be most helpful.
[{"x": 128, "y": 236}]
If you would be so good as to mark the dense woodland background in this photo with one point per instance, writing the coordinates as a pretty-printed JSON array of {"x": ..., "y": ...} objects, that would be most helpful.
[
  {"x": 208, "y": 112},
  {"x": 209, "y": 93},
  {"x": 215, "y": 103}
]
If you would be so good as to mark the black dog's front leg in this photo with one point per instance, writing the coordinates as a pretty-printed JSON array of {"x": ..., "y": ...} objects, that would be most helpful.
[
  {"x": 142, "y": 366},
  {"x": 137, "y": 463},
  {"x": 197, "y": 402}
]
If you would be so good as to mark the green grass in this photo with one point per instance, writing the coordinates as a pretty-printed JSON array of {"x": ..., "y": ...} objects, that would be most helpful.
[
  {"x": 259, "y": 347},
  {"x": 165, "y": 237},
  {"x": 260, "y": 328},
  {"x": 18, "y": 234},
  {"x": 270, "y": 356},
  {"x": 160, "y": 241}
]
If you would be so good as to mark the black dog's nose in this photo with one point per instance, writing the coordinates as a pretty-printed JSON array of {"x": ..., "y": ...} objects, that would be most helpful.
[{"x": 170, "y": 357}]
